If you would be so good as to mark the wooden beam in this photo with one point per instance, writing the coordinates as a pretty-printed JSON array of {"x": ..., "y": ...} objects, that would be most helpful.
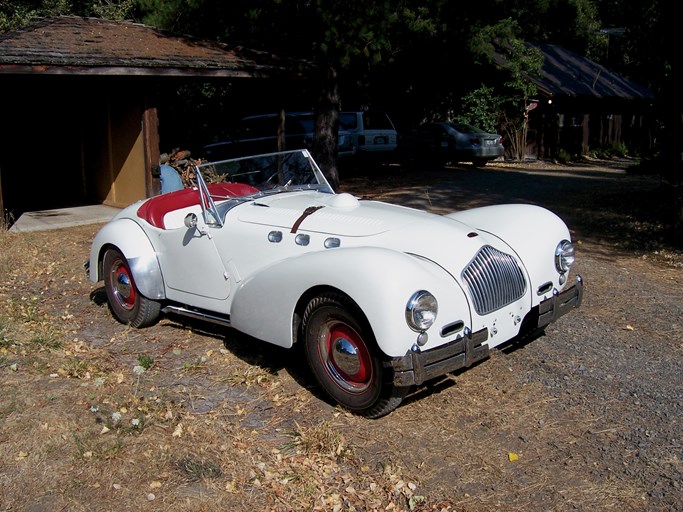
[
  {"x": 253, "y": 72},
  {"x": 2, "y": 202},
  {"x": 150, "y": 133}
]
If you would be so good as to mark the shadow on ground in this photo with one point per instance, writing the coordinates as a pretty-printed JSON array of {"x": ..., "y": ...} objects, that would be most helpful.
[{"x": 602, "y": 202}]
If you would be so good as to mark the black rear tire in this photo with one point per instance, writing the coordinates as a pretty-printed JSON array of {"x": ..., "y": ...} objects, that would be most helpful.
[
  {"x": 344, "y": 357},
  {"x": 125, "y": 301}
]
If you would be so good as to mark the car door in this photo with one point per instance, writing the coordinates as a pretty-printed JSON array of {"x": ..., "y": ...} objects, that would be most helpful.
[{"x": 192, "y": 265}]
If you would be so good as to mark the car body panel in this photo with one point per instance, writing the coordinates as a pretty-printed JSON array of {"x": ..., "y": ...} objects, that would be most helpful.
[
  {"x": 256, "y": 255},
  {"x": 373, "y": 287},
  {"x": 203, "y": 270},
  {"x": 129, "y": 236},
  {"x": 533, "y": 246}
]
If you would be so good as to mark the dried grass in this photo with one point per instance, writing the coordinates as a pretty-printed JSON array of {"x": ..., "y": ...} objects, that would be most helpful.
[{"x": 208, "y": 427}]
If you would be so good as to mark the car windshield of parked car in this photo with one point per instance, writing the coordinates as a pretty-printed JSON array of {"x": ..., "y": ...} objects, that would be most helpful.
[
  {"x": 306, "y": 121},
  {"x": 268, "y": 125},
  {"x": 273, "y": 172},
  {"x": 348, "y": 121},
  {"x": 465, "y": 128}
]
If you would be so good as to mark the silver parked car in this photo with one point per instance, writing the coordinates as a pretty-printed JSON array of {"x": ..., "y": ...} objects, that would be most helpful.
[
  {"x": 372, "y": 132},
  {"x": 445, "y": 142}
]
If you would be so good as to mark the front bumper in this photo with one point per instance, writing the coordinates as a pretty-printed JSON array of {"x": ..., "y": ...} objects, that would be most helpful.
[
  {"x": 560, "y": 303},
  {"x": 419, "y": 366}
]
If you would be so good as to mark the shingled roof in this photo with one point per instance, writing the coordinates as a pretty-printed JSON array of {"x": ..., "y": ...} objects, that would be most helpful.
[
  {"x": 565, "y": 73},
  {"x": 93, "y": 46}
]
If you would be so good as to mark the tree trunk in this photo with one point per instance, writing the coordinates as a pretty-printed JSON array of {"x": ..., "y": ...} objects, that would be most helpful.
[
  {"x": 3, "y": 215},
  {"x": 327, "y": 126}
]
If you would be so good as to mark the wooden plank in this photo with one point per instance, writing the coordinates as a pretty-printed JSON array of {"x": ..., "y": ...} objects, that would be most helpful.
[
  {"x": 2, "y": 201},
  {"x": 150, "y": 131},
  {"x": 261, "y": 72}
]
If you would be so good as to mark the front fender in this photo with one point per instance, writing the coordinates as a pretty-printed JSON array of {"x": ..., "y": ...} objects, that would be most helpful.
[
  {"x": 531, "y": 231},
  {"x": 379, "y": 280},
  {"x": 129, "y": 238}
]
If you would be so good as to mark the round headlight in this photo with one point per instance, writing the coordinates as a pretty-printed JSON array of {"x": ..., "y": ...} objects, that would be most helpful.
[
  {"x": 564, "y": 256},
  {"x": 421, "y": 311}
]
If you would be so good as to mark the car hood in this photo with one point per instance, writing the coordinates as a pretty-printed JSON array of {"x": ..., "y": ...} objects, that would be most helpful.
[
  {"x": 338, "y": 214},
  {"x": 353, "y": 220}
]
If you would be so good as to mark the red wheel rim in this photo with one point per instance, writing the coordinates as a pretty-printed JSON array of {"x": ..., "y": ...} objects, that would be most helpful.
[
  {"x": 345, "y": 357},
  {"x": 122, "y": 285}
]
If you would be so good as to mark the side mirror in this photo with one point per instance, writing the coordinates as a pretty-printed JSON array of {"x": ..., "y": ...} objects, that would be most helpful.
[{"x": 190, "y": 220}]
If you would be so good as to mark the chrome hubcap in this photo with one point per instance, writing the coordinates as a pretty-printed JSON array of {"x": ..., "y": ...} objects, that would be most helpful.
[
  {"x": 345, "y": 356},
  {"x": 123, "y": 288}
]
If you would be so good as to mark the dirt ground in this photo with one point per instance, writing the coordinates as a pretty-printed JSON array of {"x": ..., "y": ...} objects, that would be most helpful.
[{"x": 95, "y": 415}]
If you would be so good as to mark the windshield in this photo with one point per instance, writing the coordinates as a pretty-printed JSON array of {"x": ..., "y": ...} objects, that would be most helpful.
[
  {"x": 465, "y": 128},
  {"x": 271, "y": 172}
]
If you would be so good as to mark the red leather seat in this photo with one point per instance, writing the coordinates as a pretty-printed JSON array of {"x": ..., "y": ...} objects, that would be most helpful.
[{"x": 153, "y": 210}]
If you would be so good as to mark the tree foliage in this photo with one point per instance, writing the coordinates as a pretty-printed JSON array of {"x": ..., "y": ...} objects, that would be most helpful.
[
  {"x": 19, "y": 13},
  {"x": 482, "y": 108},
  {"x": 418, "y": 59}
]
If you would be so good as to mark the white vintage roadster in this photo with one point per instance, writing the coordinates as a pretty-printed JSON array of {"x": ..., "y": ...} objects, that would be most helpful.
[{"x": 382, "y": 297}]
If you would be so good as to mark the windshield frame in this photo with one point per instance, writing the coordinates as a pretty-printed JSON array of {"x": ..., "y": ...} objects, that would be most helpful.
[
  {"x": 269, "y": 173},
  {"x": 295, "y": 169}
]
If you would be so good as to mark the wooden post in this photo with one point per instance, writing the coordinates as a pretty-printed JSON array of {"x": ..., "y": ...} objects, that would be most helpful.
[
  {"x": 2, "y": 202},
  {"x": 281, "y": 131},
  {"x": 150, "y": 131}
]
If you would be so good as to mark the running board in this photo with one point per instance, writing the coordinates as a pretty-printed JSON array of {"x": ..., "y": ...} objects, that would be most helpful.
[{"x": 191, "y": 313}]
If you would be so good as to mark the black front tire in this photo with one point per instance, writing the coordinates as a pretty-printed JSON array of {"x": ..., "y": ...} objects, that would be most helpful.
[
  {"x": 344, "y": 357},
  {"x": 125, "y": 301}
]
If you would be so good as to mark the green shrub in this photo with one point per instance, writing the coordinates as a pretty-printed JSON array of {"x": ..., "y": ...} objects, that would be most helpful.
[{"x": 564, "y": 156}]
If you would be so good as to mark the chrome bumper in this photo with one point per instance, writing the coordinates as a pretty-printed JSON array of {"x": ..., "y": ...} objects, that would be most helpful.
[
  {"x": 417, "y": 367},
  {"x": 560, "y": 303}
]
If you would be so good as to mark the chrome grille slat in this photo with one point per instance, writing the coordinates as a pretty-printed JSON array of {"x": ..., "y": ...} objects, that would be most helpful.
[{"x": 493, "y": 280}]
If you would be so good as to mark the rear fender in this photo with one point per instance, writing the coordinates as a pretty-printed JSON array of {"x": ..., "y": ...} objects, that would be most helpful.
[
  {"x": 128, "y": 237},
  {"x": 380, "y": 281}
]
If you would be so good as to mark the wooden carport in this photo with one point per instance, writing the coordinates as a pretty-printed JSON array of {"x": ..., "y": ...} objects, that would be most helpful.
[
  {"x": 585, "y": 106},
  {"x": 80, "y": 121}
]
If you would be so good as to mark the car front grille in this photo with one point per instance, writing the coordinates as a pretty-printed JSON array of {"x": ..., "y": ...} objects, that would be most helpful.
[{"x": 493, "y": 280}]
